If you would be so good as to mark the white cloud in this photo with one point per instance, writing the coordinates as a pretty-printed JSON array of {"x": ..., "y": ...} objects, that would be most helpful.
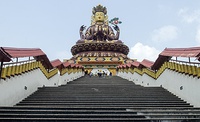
[
  {"x": 140, "y": 52},
  {"x": 165, "y": 33},
  {"x": 189, "y": 16},
  {"x": 198, "y": 35}
]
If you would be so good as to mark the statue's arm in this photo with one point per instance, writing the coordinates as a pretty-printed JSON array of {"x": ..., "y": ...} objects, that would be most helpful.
[
  {"x": 81, "y": 32},
  {"x": 88, "y": 34},
  {"x": 111, "y": 34},
  {"x": 118, "y": 32}
]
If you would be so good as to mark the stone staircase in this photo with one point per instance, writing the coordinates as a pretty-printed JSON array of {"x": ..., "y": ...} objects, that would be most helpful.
[{"x": 101, "y": 99}]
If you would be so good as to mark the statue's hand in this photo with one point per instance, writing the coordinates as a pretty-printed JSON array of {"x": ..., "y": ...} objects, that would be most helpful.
[
  {"x": 82, "y": 28},
  {"x": 95, "y": 34},
  {"x": 116, "y": 28}
]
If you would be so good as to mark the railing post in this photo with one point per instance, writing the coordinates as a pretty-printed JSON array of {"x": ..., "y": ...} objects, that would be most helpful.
[{"x": 1, "y": 67}]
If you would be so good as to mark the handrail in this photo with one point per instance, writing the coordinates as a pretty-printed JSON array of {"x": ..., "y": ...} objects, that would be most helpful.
[
  {"x": 185, "y": 62},
  {"x": 19, "y": 62}
]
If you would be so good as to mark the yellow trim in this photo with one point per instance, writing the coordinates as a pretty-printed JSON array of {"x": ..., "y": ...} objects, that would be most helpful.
[
  {"x": 198, "y": 72},
  {"x": 181, "y": 68},
  {"x": 13, "y": 70},
  {"x": 19, "y": 69},
  {"x": 63, "y": 71},
  {"x": 8, "y": 74},
  {"x": 3, "y": 73}
]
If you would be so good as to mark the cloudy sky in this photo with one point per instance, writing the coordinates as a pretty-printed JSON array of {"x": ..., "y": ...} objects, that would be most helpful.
[{"x": 148, "y": 26}]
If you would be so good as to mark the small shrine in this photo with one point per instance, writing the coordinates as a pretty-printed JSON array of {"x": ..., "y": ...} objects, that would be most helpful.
[{"x": 99, "y": 48}]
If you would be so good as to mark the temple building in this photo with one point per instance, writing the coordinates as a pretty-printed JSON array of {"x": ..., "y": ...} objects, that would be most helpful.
[
  {"x": 99, "y": 47},
  {"x": 33, "y": 88}
]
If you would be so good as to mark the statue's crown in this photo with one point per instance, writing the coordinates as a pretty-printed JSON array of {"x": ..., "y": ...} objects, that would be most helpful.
[{"x": 99, "y": 8}]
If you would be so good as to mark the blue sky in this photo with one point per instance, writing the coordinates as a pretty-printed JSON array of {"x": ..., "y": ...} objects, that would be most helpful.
[{"x": 148, "y": 26}]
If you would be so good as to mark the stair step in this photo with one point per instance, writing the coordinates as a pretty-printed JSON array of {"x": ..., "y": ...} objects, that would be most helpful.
[
  {"x": 109, "y": 104},
  {"x": 87, "y": 101},
  {"x": 98, "y": 119}
]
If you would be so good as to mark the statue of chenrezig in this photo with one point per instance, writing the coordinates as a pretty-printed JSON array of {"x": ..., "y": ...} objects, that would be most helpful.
[{"x": 99, "y": 30}]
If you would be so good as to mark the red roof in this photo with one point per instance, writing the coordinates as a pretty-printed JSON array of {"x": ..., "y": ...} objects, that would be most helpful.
[
  {"x": 3, "y": 56},
  {"x": 56, "y": 63},
  {"x": 123, "y": 65},
  {"x": 146, "y": 63},
  {"x": 168, "y": 53},
  {"x": 66, "y": 64},
  {"x": 119, "y": 66},
  {"x": 181, "y": 52},
  {"x": 79, "y": 66},
  {"x": 22, "y": 52},
  {"x": 37, "y": 53},
  {"x": 128, "y": 65},
  {"x": 135, "y": 63},
  {"x": 72, "y": 65}
]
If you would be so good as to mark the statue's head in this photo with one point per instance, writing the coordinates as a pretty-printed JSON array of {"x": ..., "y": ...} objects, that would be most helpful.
[
  {"x": 99, "y": 13},
  {"x": 99, "y": 17}
]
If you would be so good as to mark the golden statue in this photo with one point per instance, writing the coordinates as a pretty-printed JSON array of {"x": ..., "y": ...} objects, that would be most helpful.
[{"x": 99, "y": 29}]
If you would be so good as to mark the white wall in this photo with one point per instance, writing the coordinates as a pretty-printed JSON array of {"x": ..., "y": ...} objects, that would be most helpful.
[
  {"x": 64, "y": 79},
  {"x": 172, "y": 81},
  {"x": 13, "y": 88}
]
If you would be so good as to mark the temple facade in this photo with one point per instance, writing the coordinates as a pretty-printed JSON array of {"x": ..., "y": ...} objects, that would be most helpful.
[{"x": 99, "y": 48}]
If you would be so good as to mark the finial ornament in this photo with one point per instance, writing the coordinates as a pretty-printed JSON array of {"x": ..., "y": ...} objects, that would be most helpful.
[{"x": 99, "y": 8}]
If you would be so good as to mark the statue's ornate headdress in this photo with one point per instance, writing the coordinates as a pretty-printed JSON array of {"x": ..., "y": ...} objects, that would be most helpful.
[{"x": 99, "y": 8}]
